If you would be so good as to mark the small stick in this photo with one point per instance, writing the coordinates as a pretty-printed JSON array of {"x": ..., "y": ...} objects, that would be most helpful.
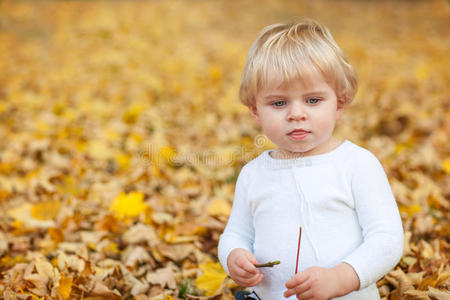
[
  {"x": 298, "y": 248},
  {"x": 269, "y": 264}
]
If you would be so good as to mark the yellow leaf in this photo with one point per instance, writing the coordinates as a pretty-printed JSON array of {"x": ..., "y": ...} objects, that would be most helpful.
[
  {"x": 123, "y": 160},
  {"x": 410, "y": 210},
  {"x": 128, "y": 205},
  {"x": 211, "y": 279},
  {"x": 111, "y": 248},
  {"x": 112, "y": 135},
  {"x": 399, "y": 148},
  {"x": 69, "y": 186},
  {"x": 58, "y": 108},
  {"x": 65, "y": 286},
  {"x": 219, "y": 207},
  {"x": 136, "y": 137},
  {"x": 167, "y": 153},
  {"x": 422, "y": 71},
  {"x": 215, "y": 72},
  {"x": 18, "y": 224},
  {"x": 446, "y": 165},
  {"x": 132, "y": 113},
  {"x": 3, "y": 107},
  {"x": 98, "y": 149},
  {"x": 22, "y": 216},
  {"x": 46, "y": 210}
]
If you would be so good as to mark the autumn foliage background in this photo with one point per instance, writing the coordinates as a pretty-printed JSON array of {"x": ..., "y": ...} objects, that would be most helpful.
[{"x": 121, "y": 138}]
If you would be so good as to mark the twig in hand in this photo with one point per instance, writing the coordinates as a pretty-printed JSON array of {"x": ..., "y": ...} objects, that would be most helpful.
[
  {"x": 268, "y": 264},
  {"x": 298, "y": 248}
]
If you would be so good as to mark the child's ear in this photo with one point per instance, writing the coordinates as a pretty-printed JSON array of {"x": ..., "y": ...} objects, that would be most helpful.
[
  {"x": 254, "y": 112},
  {"x": 340, "y": 108}
]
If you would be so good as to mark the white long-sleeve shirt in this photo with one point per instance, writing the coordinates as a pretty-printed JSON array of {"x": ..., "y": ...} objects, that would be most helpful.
[{"x": 342, "y": 200}]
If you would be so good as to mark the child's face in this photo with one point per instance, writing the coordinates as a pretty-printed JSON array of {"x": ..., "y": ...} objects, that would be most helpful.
[{"x": 298, "y": 116}]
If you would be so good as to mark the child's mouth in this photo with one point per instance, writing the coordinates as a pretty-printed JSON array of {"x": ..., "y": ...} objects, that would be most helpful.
[{"x": 298, "y": 134}]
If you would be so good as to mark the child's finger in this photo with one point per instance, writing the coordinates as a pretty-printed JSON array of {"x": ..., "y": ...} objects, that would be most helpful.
[
  {"x": 247, "y": 266},
  {"x": 305, "y": 295},
  {"x": 248, "y": 282},
  {"x": 258, "y": 278},
  {"x": 244, "y": 274},
  {"x": 302, "y": 289},
  {"x": 251, "y": 258},
  {"x": 296, "y": 280}
]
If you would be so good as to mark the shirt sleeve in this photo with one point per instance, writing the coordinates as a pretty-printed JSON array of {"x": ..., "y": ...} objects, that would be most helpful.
[
  {"x": 239, "y": 231},
  {"x": 379, "y": 219}
]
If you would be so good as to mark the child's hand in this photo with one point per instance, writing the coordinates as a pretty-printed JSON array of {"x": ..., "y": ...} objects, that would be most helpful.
[
  {"x": 313, "y": 283},
  {"x": 242, "y": 270},
  {"x": 322, "y": 284}
]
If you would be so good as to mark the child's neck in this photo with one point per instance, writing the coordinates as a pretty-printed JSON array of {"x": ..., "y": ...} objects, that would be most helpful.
[{"x": 326, "y": 147}]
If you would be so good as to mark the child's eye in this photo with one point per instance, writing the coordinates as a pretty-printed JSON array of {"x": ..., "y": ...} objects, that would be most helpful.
[
  {"x": 279, "y": 103},
  {"x": 313, "y": 100}
]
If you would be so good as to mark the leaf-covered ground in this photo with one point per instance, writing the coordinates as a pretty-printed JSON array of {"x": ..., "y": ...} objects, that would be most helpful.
[{"x": 122, "y": 135}]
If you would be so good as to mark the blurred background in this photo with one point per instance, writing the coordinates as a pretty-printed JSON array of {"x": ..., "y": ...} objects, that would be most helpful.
[{"x": 122, "y": 135}]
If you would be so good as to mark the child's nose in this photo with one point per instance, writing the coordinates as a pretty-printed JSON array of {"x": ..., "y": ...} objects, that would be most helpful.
[{"x": 296, "y": 112}]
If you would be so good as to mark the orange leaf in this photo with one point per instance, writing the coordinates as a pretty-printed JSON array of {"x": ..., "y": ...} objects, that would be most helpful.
[
  {"x": 65, "y": 286},
  {"x": 56, "y": 234}
]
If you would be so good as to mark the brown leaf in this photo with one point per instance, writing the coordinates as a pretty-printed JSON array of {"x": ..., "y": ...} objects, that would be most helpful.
[
  {"x": 102, "y": 290},
  {"x": 3, "y": 244},
  {"x": 417, "y": 294},
  {"x": 438, "y": 294},
  {"x": 176, "y": 252},
  {"x": 70, "y": 262},
  {"x": 399, "y": 279},
  {"x": 164, "y": 277},
  {"x": 141, "y": 233},
  {"x": 39, "y": 282},
  {"x": 134, "y": 255}
]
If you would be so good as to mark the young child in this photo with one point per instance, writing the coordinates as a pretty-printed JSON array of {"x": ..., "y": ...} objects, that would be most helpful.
[{"x": 296, "y": 83}]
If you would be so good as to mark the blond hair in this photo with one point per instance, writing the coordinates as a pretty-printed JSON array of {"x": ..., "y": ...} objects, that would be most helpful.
[{"x": 297, "y": 51}]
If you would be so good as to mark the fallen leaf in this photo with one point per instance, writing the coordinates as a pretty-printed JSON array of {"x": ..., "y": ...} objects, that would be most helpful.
[
  {"x": 417, "y": 294},
  {"x": 141, "y": 233},
  {"x": 102, "y": 290},
  {"x": 65, "y": 286},
  {"x": 70, "y": 263},
  {"x": 46, "y": 210},
  {"x": 23, "y": 213},
  {"x": 219, "y": 207},
  {"x": 3, "y": 244},
  {"x": 399, "y": 279},
  {"x": 211, "y": 278},
  {"x": 438, "y": 294},
  {"x": 176, "y": 252},
  {"x": 165, "y": 277},
  {"x": 128, "y": 205},
  {"x": 134, "y": 255}
]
